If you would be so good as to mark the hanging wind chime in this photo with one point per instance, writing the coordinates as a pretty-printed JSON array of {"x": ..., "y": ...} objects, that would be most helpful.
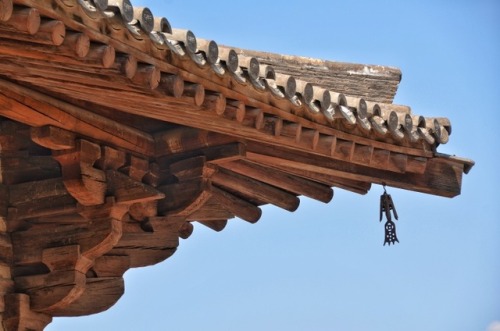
[{"x": 386, "y": 205}]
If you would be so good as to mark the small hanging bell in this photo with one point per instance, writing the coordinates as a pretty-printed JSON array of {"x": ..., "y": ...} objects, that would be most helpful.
[{"x": 386, "y": 206}]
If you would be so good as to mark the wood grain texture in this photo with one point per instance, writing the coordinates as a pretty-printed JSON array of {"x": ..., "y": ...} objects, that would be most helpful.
[
  {"x": 377, "y": 83},
  {"x": 155, "y": 131}
]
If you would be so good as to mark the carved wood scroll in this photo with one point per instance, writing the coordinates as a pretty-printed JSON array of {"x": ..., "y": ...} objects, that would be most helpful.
[{"x": 61, "y": 237}]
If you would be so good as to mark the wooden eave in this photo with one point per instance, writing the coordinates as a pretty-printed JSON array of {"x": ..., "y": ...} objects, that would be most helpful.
[{"x": 113, "y": 115}]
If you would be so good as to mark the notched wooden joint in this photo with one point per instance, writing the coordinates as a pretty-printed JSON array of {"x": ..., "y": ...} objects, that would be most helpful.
[
  {"x": 84, "y": 182},
  {"x": 53, "y": 137}
]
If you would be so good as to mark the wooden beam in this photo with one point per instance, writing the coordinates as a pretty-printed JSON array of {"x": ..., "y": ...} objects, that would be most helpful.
[
  {"x": 189, "y": 168},
  {"x": 25, "y": 20},
  {"x": 36, "y": 109},
  {"x": 147, "y": 75},
  {"x": 148, "y": 243},
  {"x": 190, "y": 74},
  {"x": 129, "y": 191},
  {"x": 76, "y": 43},
  {"x": 53, "y": 290},
  {"x": 215, "y": 102},
  {"x": 4, "y": 204},
  {"x": 19, "y": 316},
  {"x": 136, "y": 167},
  {"x": 171, "y": 85},
  {"x": 52, "y": 137},
  {"x": 102, "y": 55},
  {"x": 23, "y": 193},
  {"x": 358, "y": 187},
  {"x": 48, "y": 32},
  {"x": 441, "y": 177},
  {"x": 183, "y": 199},
  {"x": 282, "y": 180},
  {"x": 210, "y": 211},
  {"x": 100, "y": 294},
  {"x": 76, "y": 52},
  {"x": 186, "y": 230},
  {"x": 194, "y": 116},
  {"x": 216, "y": 225},
  {"x": 84, "y": 182},
  {"x": 255, "y": 189},
  {"x": 241, "y": 208},
  {"x": 185, "y": 139},
  {"x": 111, "y": 159},
  {"x": 196, "y": 92},
  {"x": 111, "y": 265},
  {"x": 213, "y": 155},
  {"x": 6, "y": 9}
]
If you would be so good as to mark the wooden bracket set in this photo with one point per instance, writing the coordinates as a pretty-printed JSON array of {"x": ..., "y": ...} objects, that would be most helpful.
[{"x": 119, "y": 132}]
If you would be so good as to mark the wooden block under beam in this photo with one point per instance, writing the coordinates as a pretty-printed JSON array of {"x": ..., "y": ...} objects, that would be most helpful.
[
  {"x": 214, "y": 155},
  {"x": 53, "y": 137},
  {"x": 186, "y": 139}
]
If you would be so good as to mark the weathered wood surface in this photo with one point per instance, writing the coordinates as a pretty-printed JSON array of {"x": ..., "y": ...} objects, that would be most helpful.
[
  {"x": 19, "y": 316},
  {"x": 216, "y": 225},
  {"x": 191, "y": 70},
  {"x": 193, "y": 117},
  {"x": 286, "y": 181},
  {"x": 254, "y": 190},
  {"x": 100, "y": 294},
  {"x": 37, "y": 109},
  {"x": 441, "y": 177},
  {"x": 149, "y": 243},
  {"x": 86, "y": 183},
  {"x": 155, "y": 131},
  {"x": 211, "y": 210},
  {"x": 373, "y": 82},
  {"x": 266, "y": 106},
  {"x": 243, "y": 209}
]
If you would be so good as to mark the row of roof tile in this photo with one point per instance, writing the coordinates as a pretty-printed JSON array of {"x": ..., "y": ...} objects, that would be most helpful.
[{"x": 382, "y": 119}]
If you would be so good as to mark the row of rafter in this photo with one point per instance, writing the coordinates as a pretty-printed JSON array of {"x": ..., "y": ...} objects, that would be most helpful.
[{"x": 154, "y": 56}]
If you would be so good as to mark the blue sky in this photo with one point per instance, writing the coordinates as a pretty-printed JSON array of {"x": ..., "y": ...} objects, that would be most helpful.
[{"x": 324, "y": 266}]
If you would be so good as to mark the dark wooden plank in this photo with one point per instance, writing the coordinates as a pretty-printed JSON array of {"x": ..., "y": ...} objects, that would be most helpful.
[
  {"x": 241, "y": 208},
  {"x": 100, "y": 294},
  {"x": 442, "y": 177},
  {"x": 283, "y": 180},
  {"x": 39, "y": 109},
  {"x": 255, "y": 189}
]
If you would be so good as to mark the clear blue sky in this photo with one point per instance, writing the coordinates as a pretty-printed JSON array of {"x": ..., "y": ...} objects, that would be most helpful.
[{"x": 324, "y": 266}]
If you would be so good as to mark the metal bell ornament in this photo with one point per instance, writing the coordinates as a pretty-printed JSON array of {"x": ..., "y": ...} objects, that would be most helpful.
[{"x": 386, "y": 206}]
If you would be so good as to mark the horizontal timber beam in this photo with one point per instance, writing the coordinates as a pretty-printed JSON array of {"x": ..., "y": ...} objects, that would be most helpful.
[
  {"x": 281, "y": 179},
  {"x": 36, "y": 109},
  {"x": 255, "y": 189},
  {"x": 442, "y": 177}
]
